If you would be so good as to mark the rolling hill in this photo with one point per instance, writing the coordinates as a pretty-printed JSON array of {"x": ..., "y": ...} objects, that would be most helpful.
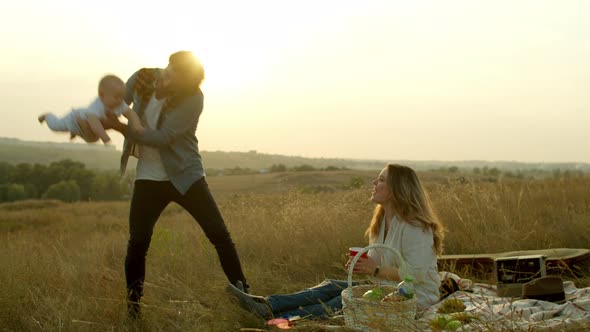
[{"x": 97, "y": 156}]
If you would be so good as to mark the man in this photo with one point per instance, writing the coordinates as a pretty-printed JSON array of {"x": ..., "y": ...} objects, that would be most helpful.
[{"x": 169, "y": 169}]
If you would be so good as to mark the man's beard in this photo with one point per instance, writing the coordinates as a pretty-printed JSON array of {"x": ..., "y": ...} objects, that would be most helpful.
[{"x": 175, "y": 90}]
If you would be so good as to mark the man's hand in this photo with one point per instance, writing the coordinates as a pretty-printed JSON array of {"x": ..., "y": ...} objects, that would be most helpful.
[
  {"x": 112, "y": 122},
  {"x": 86, "y": 132}
]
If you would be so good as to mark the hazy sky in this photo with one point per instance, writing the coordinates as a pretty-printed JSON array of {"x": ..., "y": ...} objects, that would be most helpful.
[{"x": 435, "y": 80}]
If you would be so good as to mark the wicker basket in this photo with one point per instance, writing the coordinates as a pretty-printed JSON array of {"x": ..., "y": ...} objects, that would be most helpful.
[{"x": 367, "y": 315}]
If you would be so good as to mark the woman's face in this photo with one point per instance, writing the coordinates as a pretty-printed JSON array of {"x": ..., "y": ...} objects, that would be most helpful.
[{"x": 381, "y": 191}]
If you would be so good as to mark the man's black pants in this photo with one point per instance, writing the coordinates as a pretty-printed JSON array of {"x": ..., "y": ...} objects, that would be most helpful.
[{"x": 150, "y": 198}]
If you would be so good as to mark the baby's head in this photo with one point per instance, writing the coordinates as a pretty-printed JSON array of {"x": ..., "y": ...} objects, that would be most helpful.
[{"x": 111, "y": 91}]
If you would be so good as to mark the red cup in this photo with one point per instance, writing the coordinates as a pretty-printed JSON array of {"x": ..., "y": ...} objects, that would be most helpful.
[{"x": 355, "y": 250}]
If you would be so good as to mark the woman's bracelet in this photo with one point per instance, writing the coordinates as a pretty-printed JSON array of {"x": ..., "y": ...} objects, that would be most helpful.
[{"x": 377, "y": 268}]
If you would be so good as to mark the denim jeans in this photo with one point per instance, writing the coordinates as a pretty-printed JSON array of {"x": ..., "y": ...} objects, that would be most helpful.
[
  {"x": 320, "y": 301},
  {"x": 150, "y": 198}
]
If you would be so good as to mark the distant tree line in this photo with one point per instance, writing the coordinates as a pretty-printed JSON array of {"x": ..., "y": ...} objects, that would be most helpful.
[
  {"x": 65, "y": 180},
  {"x": 494, "y": 172},
  {"x": 275, "y": 168}
]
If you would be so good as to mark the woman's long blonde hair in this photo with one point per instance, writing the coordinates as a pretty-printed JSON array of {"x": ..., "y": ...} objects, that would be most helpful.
[{"x": 411, "y": 204}]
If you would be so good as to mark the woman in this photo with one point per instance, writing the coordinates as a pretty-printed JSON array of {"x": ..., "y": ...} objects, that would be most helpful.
[{"x": 403, "y": 220}]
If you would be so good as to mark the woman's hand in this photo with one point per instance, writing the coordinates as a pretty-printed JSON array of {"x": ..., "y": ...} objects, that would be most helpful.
[{"x": 363, "y": 266}]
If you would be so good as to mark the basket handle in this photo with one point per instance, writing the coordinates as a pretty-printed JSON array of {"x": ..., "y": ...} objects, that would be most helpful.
[{"x": 403, "y": 269}]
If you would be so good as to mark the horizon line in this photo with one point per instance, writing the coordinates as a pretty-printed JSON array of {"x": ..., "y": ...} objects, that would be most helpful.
[{"x": 251, "y": 151}]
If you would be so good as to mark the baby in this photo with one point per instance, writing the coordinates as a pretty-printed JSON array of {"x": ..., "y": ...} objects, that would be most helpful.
[{"x": 111, "y": 91}]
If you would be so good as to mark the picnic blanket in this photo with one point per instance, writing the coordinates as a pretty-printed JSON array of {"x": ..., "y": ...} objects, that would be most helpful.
[
  {"x": 491, "y": 312},
  {"x": 514, "y": 314}
]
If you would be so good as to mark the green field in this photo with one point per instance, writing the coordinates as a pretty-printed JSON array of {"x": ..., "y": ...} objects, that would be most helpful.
[{"x": 63, "y": 263}]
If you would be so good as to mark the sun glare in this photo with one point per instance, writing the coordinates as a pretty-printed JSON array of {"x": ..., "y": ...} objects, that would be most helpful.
[{"x": 228, "y": 66}]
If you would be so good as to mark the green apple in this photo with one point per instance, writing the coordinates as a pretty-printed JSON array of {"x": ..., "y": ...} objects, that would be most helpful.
[
  {"x": 375, "y": 294},
  {"x": 453, "y": 325}
]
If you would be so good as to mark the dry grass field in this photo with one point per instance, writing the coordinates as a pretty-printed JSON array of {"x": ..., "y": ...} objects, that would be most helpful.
[{"x": 62, "y": 264}]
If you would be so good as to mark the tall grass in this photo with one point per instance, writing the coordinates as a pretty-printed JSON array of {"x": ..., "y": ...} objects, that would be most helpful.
[
  {"x": 515, "y": 215},
  {"x": 62, "y": 264}
]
